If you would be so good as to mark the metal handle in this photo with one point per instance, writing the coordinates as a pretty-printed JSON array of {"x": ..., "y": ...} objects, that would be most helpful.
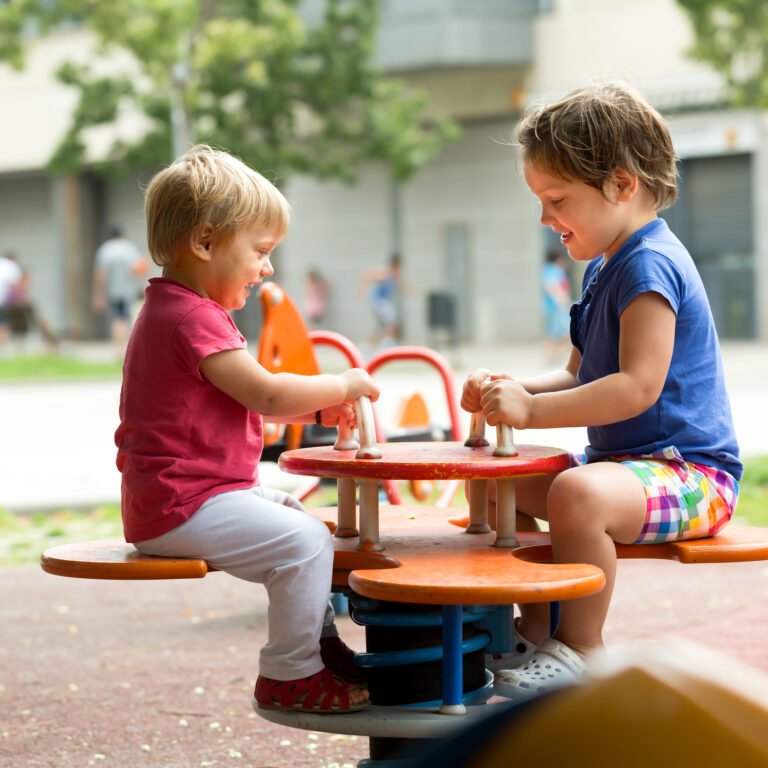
[
  {"x": 505, "y": 444},
  {"x": 476, "y": 437},
  {"x": 366, "y": 428},
  {"x": 346, "y": 440}
]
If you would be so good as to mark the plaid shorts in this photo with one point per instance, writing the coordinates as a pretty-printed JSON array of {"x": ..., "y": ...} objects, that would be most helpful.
[{"x": 685, "y": 500}]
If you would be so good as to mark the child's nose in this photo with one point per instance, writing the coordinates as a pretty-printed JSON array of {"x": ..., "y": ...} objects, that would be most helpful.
[{"x": 268, "y": 269}]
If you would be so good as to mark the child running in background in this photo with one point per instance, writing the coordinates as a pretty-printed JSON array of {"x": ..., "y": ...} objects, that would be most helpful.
[
  {"x": 644, "y": 375},
  {"x": 556, "y": 300},
  {"x": 190, "y": 434},
  {"x": 384, "y": 287}
]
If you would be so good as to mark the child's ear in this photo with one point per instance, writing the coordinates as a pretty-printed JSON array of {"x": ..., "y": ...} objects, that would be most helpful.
[
  {"x": 200, "y": 243},
  {"x": 622, "y": 186}
]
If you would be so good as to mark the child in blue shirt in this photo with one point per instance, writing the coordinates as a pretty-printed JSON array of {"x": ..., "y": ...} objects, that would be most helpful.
[{"x": 645, "y": 375}]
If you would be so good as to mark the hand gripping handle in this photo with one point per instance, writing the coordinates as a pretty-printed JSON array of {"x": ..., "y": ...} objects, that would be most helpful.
[{"x": 366, "y": 427}]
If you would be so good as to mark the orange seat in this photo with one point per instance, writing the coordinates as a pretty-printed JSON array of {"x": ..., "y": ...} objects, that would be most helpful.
[
  {"x": 426, "y": 560},
  {"x": 735, "y": 544},
  {"x": 433, "y": 561},
  {"x": 114, "y": 559}
]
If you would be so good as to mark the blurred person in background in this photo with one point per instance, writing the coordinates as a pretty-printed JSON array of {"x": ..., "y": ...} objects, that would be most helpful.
[
  {"x": 556, "y": 300},
  {"x": 384, "y": 287},
  {"x": 22, "y": 315},
  {"x": 118, "y": 273},
  {"x": 10, "y": 275},
  {"x": 316, "y": 295}
]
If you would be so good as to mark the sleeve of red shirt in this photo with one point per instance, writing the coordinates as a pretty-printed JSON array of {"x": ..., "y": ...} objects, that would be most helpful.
[{"x": 204, "y": 331}]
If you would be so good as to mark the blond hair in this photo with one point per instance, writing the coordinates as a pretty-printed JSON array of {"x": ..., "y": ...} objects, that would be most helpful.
[
  {"x": 208, "y": 187},
  {"x": 593, "y": 131}
]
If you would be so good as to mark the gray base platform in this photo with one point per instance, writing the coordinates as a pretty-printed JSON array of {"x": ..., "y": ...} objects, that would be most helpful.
[
  {"x": 382, "y": 722},
  {"x": 389, "y": 722}
]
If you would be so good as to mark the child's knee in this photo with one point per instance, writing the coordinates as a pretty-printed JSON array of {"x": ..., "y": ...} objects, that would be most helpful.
[
  {"x": 574, "y": 499},
  {"x": 314, "y": 540}
]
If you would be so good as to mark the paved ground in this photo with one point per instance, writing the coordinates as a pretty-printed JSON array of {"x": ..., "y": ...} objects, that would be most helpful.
[{"x": 161, "y": 673}]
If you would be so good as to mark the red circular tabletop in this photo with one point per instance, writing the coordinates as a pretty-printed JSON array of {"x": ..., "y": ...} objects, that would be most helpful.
[{"x": 425, "y": 461}]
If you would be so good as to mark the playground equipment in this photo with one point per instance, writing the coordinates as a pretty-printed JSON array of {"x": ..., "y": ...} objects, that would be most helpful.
[
  {"x": 417, "y": 539},
  {"x": 433, "y": 598},
  {"x": 433, "y": 601},
  {"x": 285, "y": 345}
]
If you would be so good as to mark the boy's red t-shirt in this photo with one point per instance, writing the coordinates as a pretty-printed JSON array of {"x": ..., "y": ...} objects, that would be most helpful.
[{"x": 180, "y": 440}]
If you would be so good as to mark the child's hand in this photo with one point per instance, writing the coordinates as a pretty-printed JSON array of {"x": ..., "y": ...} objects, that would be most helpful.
[
  {"x": 338, "y": 414},
  {"x": 505, "y": 401},
  {"x": 359, "y": 383},
  {"x": 470, "y": 393}
]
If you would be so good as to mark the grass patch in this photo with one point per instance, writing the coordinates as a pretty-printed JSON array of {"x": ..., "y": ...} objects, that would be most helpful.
[
  {"x": 752, "y": 508},
  {"x": 53, "y": 367},
  {"x": 23, "y": 537}
]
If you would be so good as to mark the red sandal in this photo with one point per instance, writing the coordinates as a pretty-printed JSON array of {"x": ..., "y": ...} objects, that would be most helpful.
[{"x": 321, "y": 693}]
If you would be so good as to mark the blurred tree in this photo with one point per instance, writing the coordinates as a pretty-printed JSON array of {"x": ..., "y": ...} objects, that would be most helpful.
[
  {"x": 732, "y": 36},
  {"x": 246, "y": 75}
]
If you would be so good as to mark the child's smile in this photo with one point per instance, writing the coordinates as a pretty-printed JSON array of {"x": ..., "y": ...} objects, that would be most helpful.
[
  {"x": 240, "y": 265},
  {"x": 588, "y": 222}
]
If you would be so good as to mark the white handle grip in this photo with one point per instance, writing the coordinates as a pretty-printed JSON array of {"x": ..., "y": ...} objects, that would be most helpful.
[
  {"x": 505, "y": 444},
  {"x": 476, "y": 437},
  {"x": 346, "y": 440},
  {"x": 366, "y": 428}
]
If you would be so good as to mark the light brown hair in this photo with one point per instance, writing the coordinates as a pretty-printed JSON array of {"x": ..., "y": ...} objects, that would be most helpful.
[
  {"x": 593, "y": 131},
  {"x": 208, "y": 187}
]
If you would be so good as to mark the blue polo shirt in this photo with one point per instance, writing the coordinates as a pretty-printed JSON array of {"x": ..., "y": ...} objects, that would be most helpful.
[{"x": 693, "y": 413}]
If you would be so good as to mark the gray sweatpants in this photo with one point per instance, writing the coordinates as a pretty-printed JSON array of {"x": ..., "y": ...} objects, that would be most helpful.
[{"x": 265, "y": 536}]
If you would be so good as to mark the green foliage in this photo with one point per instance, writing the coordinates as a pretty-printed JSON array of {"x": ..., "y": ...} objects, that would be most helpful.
[
  {"x": 23, "y": 537},
  {"x": 752, "y": 507},
  {"x": 732, "y": 36},
  {"x": 11, "y": 31},
  {"x": 249, "y": 75},
  {"x": 53, "y": 367}
]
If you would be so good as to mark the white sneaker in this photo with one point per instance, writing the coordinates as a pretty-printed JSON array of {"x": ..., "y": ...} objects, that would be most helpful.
[
  {"x": 551, "y": 666},
  {"x": 521, "y": 652}
]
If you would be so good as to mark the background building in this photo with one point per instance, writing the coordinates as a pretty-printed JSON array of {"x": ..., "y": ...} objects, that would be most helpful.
[{"x": 465, "y": 224}]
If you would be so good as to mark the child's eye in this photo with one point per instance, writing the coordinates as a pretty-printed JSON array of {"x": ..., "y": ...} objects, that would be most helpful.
[{"x": 557, "y": 202}]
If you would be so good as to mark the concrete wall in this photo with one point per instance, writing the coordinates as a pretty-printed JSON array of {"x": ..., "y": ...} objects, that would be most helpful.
[
  {"x": 476, "y": 183},
  {"x": 473, "y": 188},
  {"x": 644, "y": 42}
]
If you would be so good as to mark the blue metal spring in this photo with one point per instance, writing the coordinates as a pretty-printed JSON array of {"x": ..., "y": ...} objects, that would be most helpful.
[{"x": 376, "y": 614}]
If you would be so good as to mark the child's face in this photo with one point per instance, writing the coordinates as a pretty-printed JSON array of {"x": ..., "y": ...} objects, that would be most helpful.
[
  {"x": 240, "y": 264},
  {"x": 588, "y": 223}
]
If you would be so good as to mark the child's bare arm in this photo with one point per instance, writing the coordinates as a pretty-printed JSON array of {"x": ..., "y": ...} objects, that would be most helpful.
[
  {"x": 645, "y": 351},
  {"x": 553, "y": 381},
  {"x": 329, "y": 417},
  {"x": 238, "y": 374}
]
